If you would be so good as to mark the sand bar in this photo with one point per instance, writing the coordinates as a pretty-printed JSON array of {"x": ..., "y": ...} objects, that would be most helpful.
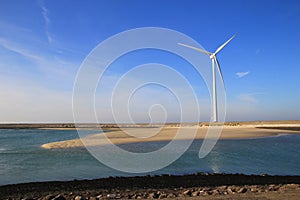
[{"x": 134, "y": 135}]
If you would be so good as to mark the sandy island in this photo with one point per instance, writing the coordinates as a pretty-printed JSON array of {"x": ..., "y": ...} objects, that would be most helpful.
[{"x": 154, "y": 134}]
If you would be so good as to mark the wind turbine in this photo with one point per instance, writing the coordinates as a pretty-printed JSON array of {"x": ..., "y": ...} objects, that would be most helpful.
[{"x": 214, "y": 61}]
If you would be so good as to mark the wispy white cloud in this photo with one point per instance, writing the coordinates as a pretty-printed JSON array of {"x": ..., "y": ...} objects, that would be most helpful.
[
  {"x": 12, "y": 46},
  {"x": 11, "y": 28},
  {"x": 50, "y": 65},
  {"x": 242, "y": 74},
  {"x": 248, "y": 98},
  {"x": 45, "y": 14},
  {"x": 39, "y": 92}
]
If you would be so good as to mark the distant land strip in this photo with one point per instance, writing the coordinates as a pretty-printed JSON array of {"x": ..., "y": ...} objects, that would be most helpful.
[{"x": 260, "y": 124}]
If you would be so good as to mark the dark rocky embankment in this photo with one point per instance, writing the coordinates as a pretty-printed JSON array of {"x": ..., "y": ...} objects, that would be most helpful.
[{"x": 165, "y": 186}]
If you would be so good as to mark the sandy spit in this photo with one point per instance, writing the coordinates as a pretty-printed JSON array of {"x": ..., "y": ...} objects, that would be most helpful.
[{"x": 133, "y": 135}]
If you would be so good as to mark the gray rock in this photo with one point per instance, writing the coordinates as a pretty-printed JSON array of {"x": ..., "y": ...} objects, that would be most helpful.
[
  {"x": 260, "y": 190},
  {"x": 154, "y": 195},
  {"x": 187, "y": 192},
  {"x": 151, "y": 195},
  {"x": 118, "y": 196},
  {"x": 222, "y": 188},
  {"x": 59, "y": 197},
  {"x": 49, "y": 197},
  {"x": 272, "y": 188},
  {"x": 162, "y": 196},
  {"x": 195, "y": 194},
  {"x": 230, "y": 191},
  {"x": 216, "y": 192},
  {"x": 78, "y": 198},
  {"x": 171, "y": 195},
  {"x": 111, "y": 196},
  {"x": 180, "y": 195},
  {"x": 242, "y": 190}
]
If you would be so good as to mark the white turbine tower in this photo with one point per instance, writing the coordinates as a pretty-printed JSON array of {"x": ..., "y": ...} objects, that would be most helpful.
[{"x": 214, "y": 61}]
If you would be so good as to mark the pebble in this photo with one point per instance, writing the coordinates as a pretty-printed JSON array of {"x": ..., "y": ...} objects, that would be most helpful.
[
  {"x": 59, "y": 197},
  {"x": 78, "y": 198},
  {"x": 151, "y": 195},
  {"x": 187, "y": 192},
  {"x": 111, "y": 196},
  {"x": 242, "y": 190},
  {"x": 49, "y": 197},
  {"x": 195, "y": 194},
  {"x": 215, "y": 192},
  {"x": 202, "y": 193},
  {"x": 230, "y": 191},
  {"x": 171, "y": 195},
  {"x": 162, "y": 196}
]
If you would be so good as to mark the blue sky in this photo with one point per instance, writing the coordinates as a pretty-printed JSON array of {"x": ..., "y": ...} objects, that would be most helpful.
[{"x": 43, "y": 43}]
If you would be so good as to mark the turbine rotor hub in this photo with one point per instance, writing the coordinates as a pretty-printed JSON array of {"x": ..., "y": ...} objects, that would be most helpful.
[{"x": 212, "y": 56}]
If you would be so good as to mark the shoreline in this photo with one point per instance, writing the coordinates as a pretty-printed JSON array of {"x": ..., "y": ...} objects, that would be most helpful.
[
  {"x": 193, "y": 186},
  {"x": 172, "y": 186},
  {"x": 71, "y": 125},
  {"x": 137, "y": 135}
]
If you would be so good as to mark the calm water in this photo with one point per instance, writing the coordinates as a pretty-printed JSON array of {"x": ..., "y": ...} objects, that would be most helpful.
[{"x": 22, "y": 159}]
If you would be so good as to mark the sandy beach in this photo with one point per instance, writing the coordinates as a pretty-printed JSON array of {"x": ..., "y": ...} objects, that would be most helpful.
[{"x": 167, "y": 133}]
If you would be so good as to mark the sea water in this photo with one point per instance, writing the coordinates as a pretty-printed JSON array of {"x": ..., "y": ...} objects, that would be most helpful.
[{"x": 23, "y": 160}]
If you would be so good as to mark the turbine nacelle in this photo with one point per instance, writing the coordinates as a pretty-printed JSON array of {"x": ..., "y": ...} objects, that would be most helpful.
[{"x": 212, "y": 56}]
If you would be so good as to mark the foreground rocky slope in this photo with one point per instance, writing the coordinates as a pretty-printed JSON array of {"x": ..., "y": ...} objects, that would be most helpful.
[{"x": 207, "y": 186}]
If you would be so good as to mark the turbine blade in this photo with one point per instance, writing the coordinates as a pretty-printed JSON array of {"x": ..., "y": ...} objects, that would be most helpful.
[
  {"x": 195, "y": 48},
  {"x": 220, "y": 71},
  {"x": 223, "y": 45}
]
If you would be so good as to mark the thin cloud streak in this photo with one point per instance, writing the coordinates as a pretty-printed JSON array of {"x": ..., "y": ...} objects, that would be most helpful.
[
  {"x": 45, "y": 14},
  {"x": 242, "y": 74},
  {"x": 11, "y": 28},
  {"x": 54, "y": 66},
  {"x": 248, "y": 98},
  {"x": 11, "y": 46}
]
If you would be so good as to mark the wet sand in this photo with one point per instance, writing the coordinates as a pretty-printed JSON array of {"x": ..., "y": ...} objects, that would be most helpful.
[{"x": 154, "y": 134}]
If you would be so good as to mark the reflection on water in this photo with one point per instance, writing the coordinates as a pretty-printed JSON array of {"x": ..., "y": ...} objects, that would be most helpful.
[
  {"x": 215, "y": 162},
  {"x": 22, "y": 159}
]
